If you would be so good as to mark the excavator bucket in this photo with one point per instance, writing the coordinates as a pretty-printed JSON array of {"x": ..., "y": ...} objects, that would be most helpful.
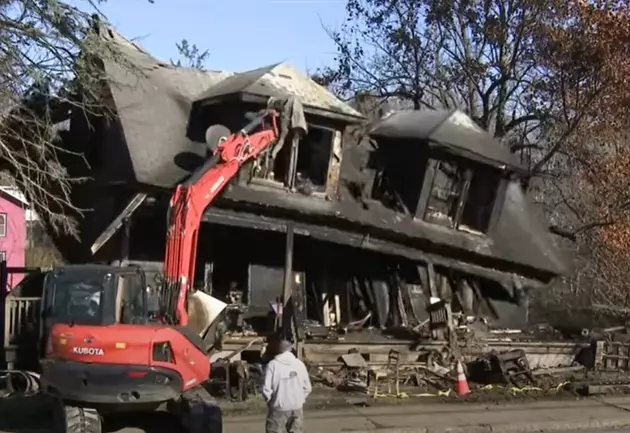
[{"x": 203, "y": 310}]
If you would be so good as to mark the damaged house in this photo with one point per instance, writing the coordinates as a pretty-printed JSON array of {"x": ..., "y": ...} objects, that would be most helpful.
[{"x": 367, "y": 229}]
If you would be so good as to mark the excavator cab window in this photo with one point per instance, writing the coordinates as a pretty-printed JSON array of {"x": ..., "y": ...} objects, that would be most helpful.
[
  {"x": 86, "y": 295},
  {"x": 78, "y": 297},
  {"x": 132, "y": 299}
]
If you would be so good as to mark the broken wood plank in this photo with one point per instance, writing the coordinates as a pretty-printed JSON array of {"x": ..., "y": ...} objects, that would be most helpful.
[
  {"x": 425, "y": 192},
  {"x": 463, "y": 197},
  {"x": 613, "y": 308},
  {"x": 432, "y": 283},
  {"x": 558, "y": 370},
  {"x": 117, "y": 223},
  {"x": 334, "y": 166}
]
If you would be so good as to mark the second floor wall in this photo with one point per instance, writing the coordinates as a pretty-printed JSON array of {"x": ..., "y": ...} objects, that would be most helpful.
[{"x": 406, "y": 188}]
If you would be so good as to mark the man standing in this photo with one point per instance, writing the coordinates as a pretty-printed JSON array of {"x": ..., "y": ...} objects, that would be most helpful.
[{"x": 286, "y": 387}]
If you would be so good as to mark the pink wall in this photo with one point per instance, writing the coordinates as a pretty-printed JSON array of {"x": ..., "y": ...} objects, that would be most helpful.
[{"x": 13, "y": 243}]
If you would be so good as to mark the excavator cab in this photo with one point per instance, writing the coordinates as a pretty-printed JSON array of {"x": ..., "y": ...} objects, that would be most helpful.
[
  {"x": 105, "y": 350},
  {"x": 94, "y": 295}
]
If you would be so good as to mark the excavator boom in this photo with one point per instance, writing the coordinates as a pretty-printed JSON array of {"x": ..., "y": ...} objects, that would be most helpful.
[
  {"x": 191, "y": 199},
  {"x": 98, "y": 327}
]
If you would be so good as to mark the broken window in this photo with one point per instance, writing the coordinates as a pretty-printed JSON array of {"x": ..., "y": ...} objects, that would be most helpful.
[
  {"x": 479, "y": 205},
  {"x": 446, "y": 193},
  {"x": 400, "y": 169},
  {"x": 313, "y": 159},
  {"x": 305, "y": 169},
  {"x": 462, "y": 195}
]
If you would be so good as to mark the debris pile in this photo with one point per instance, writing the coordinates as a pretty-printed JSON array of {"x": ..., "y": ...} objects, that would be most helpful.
[{"x": 520, "y": 361}]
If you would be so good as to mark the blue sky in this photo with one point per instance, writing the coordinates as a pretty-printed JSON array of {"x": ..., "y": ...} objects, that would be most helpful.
[{"x": 240, "y": 34}]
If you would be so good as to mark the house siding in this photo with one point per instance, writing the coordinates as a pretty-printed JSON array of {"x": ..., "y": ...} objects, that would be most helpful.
[{"x": 13, "y": 243}]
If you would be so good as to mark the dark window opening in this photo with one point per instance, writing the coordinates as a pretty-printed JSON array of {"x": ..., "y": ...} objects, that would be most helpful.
[
  {"x": 314, "y": 158},
  {"x": 462, "y": 196},
  {"x": 446, "y": 191},
  {"x": 282, "y": 163},
  {"x": 479, "y": 205},
  {"x": 400, "y": 167},
  {"x": 230, "y": 281},
  {"x": 383, "y": 191}
]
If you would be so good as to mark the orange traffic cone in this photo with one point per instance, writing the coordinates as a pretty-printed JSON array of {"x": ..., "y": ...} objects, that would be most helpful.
[{"x": 462, "y": 382}]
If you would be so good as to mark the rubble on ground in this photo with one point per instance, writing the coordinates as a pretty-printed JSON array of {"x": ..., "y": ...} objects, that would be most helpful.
[{"x": 597, "y": 364}]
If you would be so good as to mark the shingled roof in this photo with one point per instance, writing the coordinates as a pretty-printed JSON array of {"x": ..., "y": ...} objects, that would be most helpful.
[
  {"x": 153, "y": 100},
  {"x": 281, "y": 80},
  {"x": 451, "y": 129}
]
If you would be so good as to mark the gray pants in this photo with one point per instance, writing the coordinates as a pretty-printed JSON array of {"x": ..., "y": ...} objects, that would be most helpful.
[{"x": 290, "y": 421}]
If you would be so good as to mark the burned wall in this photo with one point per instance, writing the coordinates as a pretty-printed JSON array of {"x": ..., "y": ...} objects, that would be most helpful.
[
  {"x": 340, "y": 286},
  {"x": 98, "y": 156},
  {"x": 408, "y": 201},
  {"x": 390, "y": 287}
]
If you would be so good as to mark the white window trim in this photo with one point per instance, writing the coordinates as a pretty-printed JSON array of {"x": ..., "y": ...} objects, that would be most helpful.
[{"x": 3, "y": 226}]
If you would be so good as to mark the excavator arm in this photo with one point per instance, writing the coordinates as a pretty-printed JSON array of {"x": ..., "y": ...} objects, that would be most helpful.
[{"x": 191, "y": 199}]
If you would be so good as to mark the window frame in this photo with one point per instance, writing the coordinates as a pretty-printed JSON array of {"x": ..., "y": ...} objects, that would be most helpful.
[
  {"x": 331, "y": 145},
  {"x": 469, "y": 170},
  {"x": 3, "y": 256},
  {"x": 292, "y": 164},
  {"x": 3, "y": 224}
]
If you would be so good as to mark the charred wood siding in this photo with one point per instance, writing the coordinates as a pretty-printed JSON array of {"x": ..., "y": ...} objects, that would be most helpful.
[
  {"x": 334, "y": 167},
  {"x": 389, "y": 195}
]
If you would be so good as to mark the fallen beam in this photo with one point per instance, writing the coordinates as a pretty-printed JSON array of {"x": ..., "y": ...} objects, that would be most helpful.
[{"x": 117, "y": 223}]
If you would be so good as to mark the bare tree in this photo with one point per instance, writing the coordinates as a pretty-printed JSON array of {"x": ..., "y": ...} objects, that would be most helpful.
[
  {"x": 505, "y": 62},
  {"x": 190, "y": 56},
  {"x": 48, "y": 65},
  {"x": 546, "y": 77}
]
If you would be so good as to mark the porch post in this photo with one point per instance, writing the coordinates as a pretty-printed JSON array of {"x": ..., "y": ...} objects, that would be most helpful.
[{"x": 287, "y": 290}]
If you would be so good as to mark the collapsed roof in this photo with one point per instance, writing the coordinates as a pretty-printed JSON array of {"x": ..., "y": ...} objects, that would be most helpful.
[
  {"x": 154, "y": 99},
  {"x": 154, "y": 107},
  {"x": 453, "y": 130},
  {"x": 280, "y": 80}
]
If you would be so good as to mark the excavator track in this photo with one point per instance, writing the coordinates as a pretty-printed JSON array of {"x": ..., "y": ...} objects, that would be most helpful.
[
  {"x": 73, "y": 419},
  {"x": 202, "y": 414}
]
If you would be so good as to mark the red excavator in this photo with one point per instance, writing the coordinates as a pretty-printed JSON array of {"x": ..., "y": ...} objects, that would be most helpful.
[{"x": 107, "y": 349}]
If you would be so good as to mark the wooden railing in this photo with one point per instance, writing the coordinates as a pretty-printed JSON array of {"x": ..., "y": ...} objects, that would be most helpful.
[{"x": 19, "y": 314}]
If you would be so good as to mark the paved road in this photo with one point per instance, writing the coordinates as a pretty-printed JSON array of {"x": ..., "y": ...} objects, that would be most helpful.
[
  {"x": 420, "y": 417},
  {"x": 525, "y": 417}
]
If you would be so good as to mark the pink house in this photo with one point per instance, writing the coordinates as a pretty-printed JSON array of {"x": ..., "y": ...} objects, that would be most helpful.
[{"x": 13, "y": 209}]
